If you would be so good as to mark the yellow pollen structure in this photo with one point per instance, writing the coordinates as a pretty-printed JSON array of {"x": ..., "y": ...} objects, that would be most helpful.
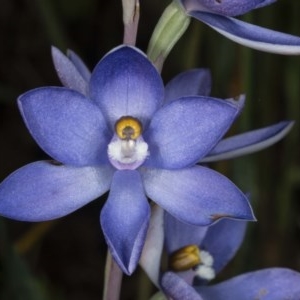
[
  {"x": 128, "y": 128},
  {"x": 185, "y": 258}
]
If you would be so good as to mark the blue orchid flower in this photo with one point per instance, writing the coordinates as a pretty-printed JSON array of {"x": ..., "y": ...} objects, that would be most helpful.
[
  {"x": 113, "y": 130},
  {"x": 198, "y": 253},
  {"x": 219, "y": 16}
]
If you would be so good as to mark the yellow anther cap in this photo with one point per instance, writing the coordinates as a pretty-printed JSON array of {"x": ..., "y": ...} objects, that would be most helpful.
[
  {"x": 128, "y": 128},
  {"x": 185, "y": 258}
]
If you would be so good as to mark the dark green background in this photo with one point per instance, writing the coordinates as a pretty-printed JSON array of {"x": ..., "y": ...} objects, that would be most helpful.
[{"x": 67, "y": 260}]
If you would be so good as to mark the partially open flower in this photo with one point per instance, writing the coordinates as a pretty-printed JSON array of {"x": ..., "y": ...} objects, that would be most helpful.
[{"x": 191, "y": 268}]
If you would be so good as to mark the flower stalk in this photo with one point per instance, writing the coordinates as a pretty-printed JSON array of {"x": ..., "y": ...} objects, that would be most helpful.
[
  {"x": 113, "y": 279},
  {"x": 131, "y": 15}
]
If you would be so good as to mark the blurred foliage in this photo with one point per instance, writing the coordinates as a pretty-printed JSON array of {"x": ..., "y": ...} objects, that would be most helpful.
[
  {"x": 16, "y": 280},
  {"x": 66, "y": 261}
]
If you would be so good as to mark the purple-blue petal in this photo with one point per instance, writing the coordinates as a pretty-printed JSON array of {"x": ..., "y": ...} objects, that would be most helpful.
[
  {"x": 249, "y": 35},
  {"x": 224, "y": 7},
  {"x": 177, "y": 289},
  {"x": 223, "y": 240},
  {"x": 80, "y": 65},
  {"x": 45, "y": 190},
  {"x": 125, "y": 83},
  {"x": 178, "y": 234},
  {"x": 185, "y": 130},
  {"x": 68, "y": 73},
  {"x": 125, "y": 218},
  {"x": 267, "y": 284},
  {"x": 66, "y": 125},
  {"x": 197, "y": 195},
  {"x": 249, "y": 142},
  {"x": 195, "y": 82},
  {"x": 265, "y": 3}
]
